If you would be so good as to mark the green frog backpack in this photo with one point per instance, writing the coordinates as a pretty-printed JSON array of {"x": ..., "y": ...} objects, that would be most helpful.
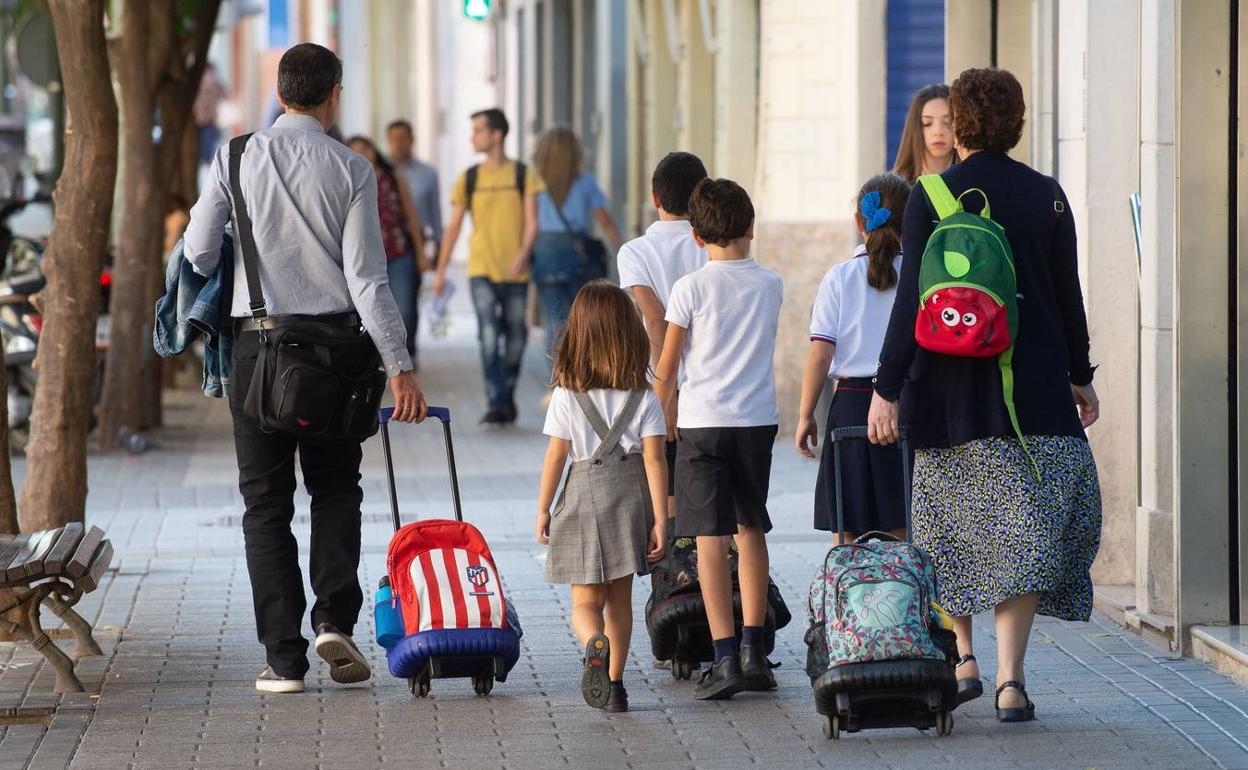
[{"x": 968, "y": 291}]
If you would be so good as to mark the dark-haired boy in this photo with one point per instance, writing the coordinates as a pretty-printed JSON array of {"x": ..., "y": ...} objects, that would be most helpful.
[
  {"x": 651, "y": 264},
  {"x": 721, "y": 325}
]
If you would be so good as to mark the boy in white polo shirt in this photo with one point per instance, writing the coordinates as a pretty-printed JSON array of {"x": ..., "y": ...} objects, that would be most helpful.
[
  {"x": 721, "y": 324},
  {"x": 651, "y": 264}
]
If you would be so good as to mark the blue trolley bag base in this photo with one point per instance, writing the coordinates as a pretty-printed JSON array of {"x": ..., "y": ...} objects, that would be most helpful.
[{"x": 456, "y": 621}]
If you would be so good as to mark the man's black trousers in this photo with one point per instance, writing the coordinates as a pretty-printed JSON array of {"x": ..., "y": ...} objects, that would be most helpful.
[{"x": 266, "y": 478}]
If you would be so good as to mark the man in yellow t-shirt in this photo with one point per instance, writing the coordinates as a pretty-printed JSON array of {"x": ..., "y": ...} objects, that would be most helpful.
[{"x": 501, "y": 194}]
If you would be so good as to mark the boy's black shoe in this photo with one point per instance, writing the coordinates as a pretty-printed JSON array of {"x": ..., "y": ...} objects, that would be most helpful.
[
  {"x": 596, "y": 679},
  {"x": 492, "y": 417},
  {"x": 617, "y": 701},
  {"x": 756, "y": 668},
  {"x": 509, "y": 412},
  {"x": 721, "y": 681}
]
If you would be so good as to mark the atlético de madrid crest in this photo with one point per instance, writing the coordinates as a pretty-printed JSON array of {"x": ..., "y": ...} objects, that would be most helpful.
[{"x": 478, "y": 576}]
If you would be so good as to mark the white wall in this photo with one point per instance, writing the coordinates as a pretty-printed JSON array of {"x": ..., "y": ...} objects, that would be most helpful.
[{"x": 1098, "y": 163}]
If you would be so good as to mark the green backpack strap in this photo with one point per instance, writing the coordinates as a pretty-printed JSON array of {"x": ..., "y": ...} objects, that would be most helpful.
[
  {"x": 939, "y": 194},
  {"x": 1006, "y": 362}
]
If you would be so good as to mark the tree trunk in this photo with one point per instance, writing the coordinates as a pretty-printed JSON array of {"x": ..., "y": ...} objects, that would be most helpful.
[
  {"x": 56, "y": 483},
  {"x": 188, "y": 165},
  {"x": 138, "y": 57},
  {"x": 159, "y": 71}
]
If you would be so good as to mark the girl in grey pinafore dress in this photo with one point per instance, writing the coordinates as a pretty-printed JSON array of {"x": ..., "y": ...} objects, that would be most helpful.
[
  {"x": 602, "y": 522},
  {"x": 610, "y": 520}
]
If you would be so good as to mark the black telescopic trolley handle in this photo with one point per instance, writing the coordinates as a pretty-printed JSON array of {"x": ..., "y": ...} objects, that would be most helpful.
[
  {"x": 860, "y": 433},
  {"x": 442, "y": 414}
]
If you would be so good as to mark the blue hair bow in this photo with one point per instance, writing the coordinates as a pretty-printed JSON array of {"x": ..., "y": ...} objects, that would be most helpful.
[{"x": 874, "y": 215}]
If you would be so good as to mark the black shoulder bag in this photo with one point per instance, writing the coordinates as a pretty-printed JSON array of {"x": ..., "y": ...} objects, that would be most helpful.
[
  {"x": 316, "y": 377},
  {"x": 591, "y": 251}
]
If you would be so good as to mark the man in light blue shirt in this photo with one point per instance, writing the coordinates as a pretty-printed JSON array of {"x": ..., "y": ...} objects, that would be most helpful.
[
  {"x": 422, "y": 181},
  {"x": 313, "y": 207}
]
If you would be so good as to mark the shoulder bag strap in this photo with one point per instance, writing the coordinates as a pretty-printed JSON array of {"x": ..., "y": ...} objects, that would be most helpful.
[
  {"x": 242, "y": 226},
  {"x": 622, "y": 420},
  {"x": 470, "y": 186},
  {"x": 520, "y": 180}
]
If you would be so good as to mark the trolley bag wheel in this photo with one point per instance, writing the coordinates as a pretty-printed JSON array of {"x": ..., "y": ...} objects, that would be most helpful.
[
  {"x": 482, "y": 683},
  {"x": 944, "y": 723},
  {"x": 419, "y": 684},
  {"x": 682, "y": 668},
  {"x": 832, "y": 726}
]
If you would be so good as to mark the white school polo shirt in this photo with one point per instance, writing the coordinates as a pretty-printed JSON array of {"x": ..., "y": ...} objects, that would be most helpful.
[
  {"x": 731, "y": 309},
  {"x": 566, "y": 420},
  {"x": 664, "y": 255},
  {"x": 853, "y": 316}
]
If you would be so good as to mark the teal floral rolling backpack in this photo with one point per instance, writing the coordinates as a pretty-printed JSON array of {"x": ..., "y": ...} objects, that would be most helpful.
[
  {"x": 881, "y": 652},
  {"x": 872, "y": 600}
]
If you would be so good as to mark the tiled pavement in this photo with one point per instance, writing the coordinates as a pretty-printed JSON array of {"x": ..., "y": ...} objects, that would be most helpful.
[{"x": 176, "y": 691}]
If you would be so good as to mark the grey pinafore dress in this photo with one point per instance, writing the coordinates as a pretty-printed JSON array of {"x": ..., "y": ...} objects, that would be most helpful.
[{"x": 601, "y": 524}]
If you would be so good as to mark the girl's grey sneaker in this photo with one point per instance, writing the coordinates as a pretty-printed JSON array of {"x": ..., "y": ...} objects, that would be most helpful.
[
  {"x": 346, "y": 663},
  {"x": 271, "y": 682},
  {"x": 596, "y": 679}
]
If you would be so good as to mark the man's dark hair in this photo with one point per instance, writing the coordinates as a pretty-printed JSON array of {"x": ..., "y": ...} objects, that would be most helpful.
[
  {"x": 674, "y": 179},
  {"x": 400, "y": 123},
  {"x": 306, "y": 75},
  {"x": 720, "y": 211},
  {"x": 495, "y": 120}
]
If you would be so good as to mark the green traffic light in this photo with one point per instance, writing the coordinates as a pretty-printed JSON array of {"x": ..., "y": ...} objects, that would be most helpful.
[{"x": 477, "y": 9}]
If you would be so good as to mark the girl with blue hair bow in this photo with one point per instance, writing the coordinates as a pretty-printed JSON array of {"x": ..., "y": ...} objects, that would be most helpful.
[{"x": 847, "y": 328}]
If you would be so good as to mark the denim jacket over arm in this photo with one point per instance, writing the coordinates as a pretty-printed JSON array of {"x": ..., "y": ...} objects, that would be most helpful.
[{"x": 195, "y": 305}]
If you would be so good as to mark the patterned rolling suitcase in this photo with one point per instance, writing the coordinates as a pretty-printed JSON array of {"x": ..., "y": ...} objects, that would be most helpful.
[
  {"x": 879, "y": 653},
  {"x": 455, "y": 618}
]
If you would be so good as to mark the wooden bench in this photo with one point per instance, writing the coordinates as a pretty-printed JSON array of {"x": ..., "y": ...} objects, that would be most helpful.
[{"x": 54, "y": 568}]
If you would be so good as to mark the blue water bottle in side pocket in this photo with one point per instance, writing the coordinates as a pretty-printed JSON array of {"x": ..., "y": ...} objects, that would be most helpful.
[{"x": 388, "y": 616}]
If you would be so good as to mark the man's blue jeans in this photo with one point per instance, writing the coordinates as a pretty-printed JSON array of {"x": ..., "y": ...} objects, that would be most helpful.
[{"x": 502, "y": 332}]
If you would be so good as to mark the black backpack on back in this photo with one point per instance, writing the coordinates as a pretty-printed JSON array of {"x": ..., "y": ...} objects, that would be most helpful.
[{"x": 470, "y": 183}]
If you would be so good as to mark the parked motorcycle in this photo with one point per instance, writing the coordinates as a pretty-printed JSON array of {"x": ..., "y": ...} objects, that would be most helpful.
[{"x": 21, "y": 278}]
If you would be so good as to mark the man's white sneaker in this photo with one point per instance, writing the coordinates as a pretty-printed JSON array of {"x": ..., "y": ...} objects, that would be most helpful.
[
  {"x": 271, "y": 682},
  {"x": 346, "y": 663}
]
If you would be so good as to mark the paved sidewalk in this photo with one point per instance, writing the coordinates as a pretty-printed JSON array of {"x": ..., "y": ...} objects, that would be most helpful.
[{"x": 176, "y": 680}]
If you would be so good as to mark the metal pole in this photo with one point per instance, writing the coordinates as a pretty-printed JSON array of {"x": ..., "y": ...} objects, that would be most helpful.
[
  {"x": 394, "y": 495},
  {"x": 450, "y": 461}
]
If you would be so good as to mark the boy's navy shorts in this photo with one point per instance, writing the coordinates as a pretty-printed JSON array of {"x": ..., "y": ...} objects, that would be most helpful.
[{"x": 722, "y": 477}]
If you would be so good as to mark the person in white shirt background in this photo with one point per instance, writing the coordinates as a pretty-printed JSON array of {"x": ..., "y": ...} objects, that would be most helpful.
[
  {"x": 650, "y": 265},
  {"x": 847, "y": 328}
]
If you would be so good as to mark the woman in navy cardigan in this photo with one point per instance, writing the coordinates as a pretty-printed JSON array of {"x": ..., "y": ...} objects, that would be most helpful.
[{"x": 1001, "y": 537}]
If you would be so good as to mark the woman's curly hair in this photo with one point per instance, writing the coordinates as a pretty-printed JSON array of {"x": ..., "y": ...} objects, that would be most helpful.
[{"x": 987, "y": 107}]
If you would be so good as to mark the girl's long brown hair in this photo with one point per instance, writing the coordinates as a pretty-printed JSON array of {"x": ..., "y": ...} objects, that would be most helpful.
[
  {"x": 884, "y": 242},
  {"x": 911, "y": 150},
  {"x": 604, "y": 343},
  {"x": 558, "y": 159}
]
